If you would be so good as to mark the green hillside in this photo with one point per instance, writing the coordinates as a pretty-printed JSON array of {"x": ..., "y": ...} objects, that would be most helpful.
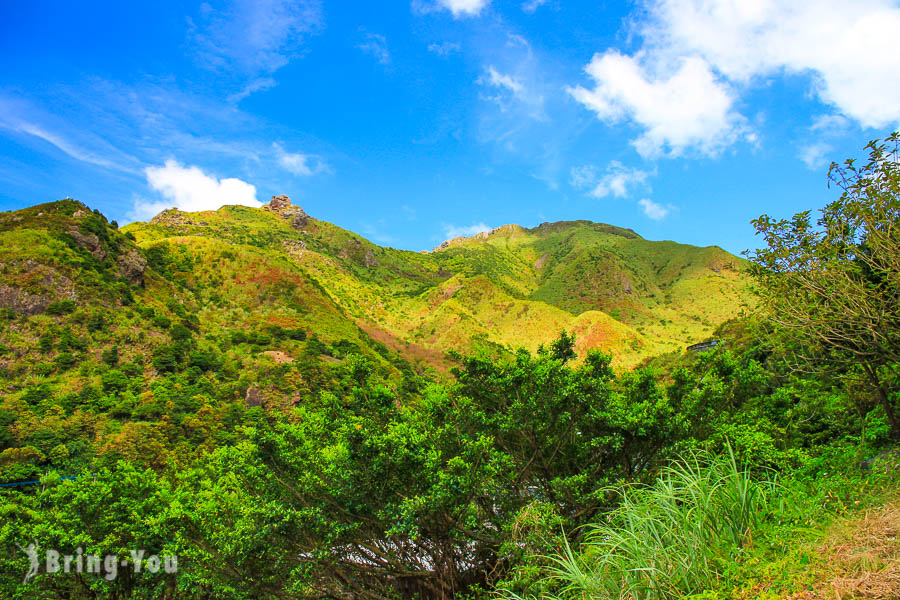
[{"x": 512, "y": 287}]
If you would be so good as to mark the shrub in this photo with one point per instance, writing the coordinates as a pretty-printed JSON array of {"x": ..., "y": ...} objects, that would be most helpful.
[
  {"x": 161, "y": 321},
  {"x": 165, "y": 359},
  {"x": 45, "y": 343},
  {"x": 110, "y": 356},
  {"x": 62, "y": 307},
  {"x": 65, "y": 361},
  {"x": 114, "y": 381}
]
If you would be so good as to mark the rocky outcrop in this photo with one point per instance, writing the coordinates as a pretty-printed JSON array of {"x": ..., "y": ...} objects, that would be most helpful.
[
  {"x": 295, "y": 248},
  {"x": 282, "y": 205},
  {"x": 132, "y": 265},
  {"x": 370, "y": 259},
  {"x": 172, "y": 217},
  {"x": 21, "y": 301},
  {"x": 90, "y": 242},
  {"x": 252, "y": 398},
  {"x": 44, "y": 285}
]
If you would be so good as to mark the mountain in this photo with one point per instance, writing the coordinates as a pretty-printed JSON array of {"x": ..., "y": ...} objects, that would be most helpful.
[{"x": 243, "y": 271}]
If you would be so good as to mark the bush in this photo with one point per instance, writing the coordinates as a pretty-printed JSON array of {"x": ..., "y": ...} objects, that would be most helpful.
[
  {"x": 114, "y": 381},
  {"x": 161, "y": 321},
  {"x": 165, "y": 360},
  {"x": 96, "y": 322},
  {"x": 63, "y": 307},
  {"x": 65, "y": 361},
  {"x": 110, "y": 356}
]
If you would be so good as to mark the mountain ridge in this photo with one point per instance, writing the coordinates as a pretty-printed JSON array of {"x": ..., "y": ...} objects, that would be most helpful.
[{"x": 510, "y": 287}]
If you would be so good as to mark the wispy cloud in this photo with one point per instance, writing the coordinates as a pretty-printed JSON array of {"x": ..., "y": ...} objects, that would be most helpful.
[
  {"x": 455, "y": 231},
  {"x": 69, "y": 148},
  {"x": 304, "y": 165},
  {"x": 444, "y": 48},
  {"x": 532, "y": 5},
  {"x": 618, "y": 179},
  {"x": 375, "y": 44},
  {"x": 459, "y": 8},
  {"x": 22, "y": 117},
  {"x": 250, "y": 39},
  {"x": 496, "y": 79},
  {"x": 257, "y": 85}
]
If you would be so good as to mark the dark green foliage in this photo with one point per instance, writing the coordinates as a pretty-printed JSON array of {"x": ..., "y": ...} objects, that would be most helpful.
[
  {"x": 65, "y": 361},
  {"x": 114, "y": 381},
  {"x": 45, "y": 342},
  {"x": 165, "y": 359},
  {"x": 62, "y": 307},
  {"x": 179, "y": 333},
  {"x": 161, "y": 321},
  {"x": 205, "y": 360},
  {"x": 96, "y": 322},
  {"x": 110, "y": 356}
]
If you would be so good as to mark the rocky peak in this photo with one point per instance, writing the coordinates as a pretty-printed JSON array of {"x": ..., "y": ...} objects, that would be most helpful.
[{"x": 283, "y": 206}]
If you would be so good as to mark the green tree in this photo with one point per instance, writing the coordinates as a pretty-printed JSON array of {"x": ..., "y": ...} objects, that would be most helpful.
[{"x": 832, "y": 286}]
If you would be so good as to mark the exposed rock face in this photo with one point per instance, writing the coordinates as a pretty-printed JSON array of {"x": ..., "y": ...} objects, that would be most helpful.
[
  {"x": 280, "y": 358},
  {"x": 132, "y": 266},
  {"x": 370, "y": 259},
  {"x": 88, "y": 241},
  {"x": 21, "y": 301},
  {"x": 283, "y": 206},
  {"x": 41, "y": 278},
  {"x": 294, "y": 248},
  {"x": 280, "y": 203},
  {"x": 251, "y": 398},
  {"x": 171, "y": 217}
]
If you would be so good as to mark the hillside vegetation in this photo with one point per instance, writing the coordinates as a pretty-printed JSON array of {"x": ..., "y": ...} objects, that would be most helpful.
[
  {"x": 509, "y": 288},
  {"x": 294, "y": 412}
]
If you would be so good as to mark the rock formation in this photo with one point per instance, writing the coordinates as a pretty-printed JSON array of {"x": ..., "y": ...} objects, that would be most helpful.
[{"x": 283, "y": 206}]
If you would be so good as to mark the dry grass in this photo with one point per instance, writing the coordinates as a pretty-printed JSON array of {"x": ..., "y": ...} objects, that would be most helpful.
[{"x": 861, "y": 558}]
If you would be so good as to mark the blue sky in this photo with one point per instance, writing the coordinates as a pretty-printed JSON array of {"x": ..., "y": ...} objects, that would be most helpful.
[{"x": 413, "y": 122}]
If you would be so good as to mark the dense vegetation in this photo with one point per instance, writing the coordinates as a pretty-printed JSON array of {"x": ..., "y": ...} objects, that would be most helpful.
[{"x": 232, "y": 398}]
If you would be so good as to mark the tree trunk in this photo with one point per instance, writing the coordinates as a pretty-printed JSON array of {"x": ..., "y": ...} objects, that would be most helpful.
[{"x": 885, "y": 401}]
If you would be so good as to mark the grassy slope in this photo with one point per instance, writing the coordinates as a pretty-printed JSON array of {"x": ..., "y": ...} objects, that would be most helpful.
[{"x": 514, "y": 287}]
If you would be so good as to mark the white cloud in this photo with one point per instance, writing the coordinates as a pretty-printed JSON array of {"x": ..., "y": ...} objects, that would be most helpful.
[
  {"x": 375, "y": 45},
  {"x": 501, "y": 80},
  {"x": 257, "y": 85},
  {"x": 583, "y": 177},
  {"x": 655, "y": 211},
  {"x": 849, "y": 48},
  {"x": 455, "y": 231},
  {"x": 678, "y": 109},
  {"x": 464, "y": 8},
  {"x": 254, "y": 37},
  {"x": 444, "y": 48},
  {"x": 681, "y": 86},
  {"x": 512, "y": 95},
  {"x": 300, "y": 164},
  {"x": 190, "y": 189},
  {"x": 815, "y": 155},
  {"x": 617, "y": 181},
  {"x": 68, "y": 147},
  {"x": 532, "y": 5}
]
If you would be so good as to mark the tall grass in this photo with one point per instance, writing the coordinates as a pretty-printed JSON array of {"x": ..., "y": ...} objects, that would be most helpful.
[{"x": 671, "y": 539}]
